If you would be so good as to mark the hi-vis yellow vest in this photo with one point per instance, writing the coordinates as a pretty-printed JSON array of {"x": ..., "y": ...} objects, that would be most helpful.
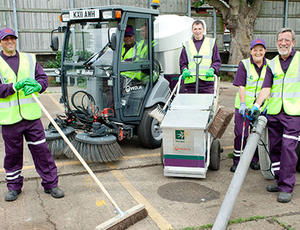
[
  {"x": 206, "y": 51},
  {"x": 253, "y": 84},
  {"x": 17, "y": 106},
  {"x": 131, "y": 54},
  {"x": 285, "y": 91}
]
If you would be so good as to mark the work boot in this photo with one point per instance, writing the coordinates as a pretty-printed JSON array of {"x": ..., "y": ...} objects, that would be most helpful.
[
  {"x": 272, "y": 188},
  {"x": 12, "y": 195},
  {"x": 255, "y": 165},
  {"x": 233, "y": 168},
  {"x": 284, "y": 197},
  {"x": 55, "y": 192}
]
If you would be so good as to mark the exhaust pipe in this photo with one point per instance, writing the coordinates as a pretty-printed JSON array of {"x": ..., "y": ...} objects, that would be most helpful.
[{"x": 239, "y": 175}]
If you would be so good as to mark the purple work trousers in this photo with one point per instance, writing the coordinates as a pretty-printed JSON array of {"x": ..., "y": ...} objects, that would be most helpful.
[
  {"x": 238, "y": 133},
  {"x": 34, "y": 134},
  {"x": 283, "y": 137},
  {"x": 204, "y": 87}
]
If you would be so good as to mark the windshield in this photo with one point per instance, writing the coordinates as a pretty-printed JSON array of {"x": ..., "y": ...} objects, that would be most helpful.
[
  {"x": 87, "y": 67},
  {"x": 87, "y": 39}
]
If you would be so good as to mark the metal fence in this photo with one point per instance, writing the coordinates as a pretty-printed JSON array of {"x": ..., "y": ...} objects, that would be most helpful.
[{"x": 34, "y": 19}]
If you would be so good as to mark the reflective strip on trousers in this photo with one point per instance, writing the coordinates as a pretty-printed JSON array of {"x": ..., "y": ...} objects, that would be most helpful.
[
  {"x": 13, "y": 175},
  {"x": 36, "y": 142}
]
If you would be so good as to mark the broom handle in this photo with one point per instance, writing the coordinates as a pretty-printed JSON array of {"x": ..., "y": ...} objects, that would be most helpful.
[
  {"x": 77, "y": 154},
  {"x": 172, "y": 93}
]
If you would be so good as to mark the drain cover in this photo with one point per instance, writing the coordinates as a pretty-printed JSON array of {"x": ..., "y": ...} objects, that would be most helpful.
[{"x": 187, "y": 192}]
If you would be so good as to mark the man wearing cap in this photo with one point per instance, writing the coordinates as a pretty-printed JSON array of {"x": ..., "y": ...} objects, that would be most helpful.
[
  {"x": 210, "y": 63},
  {"x": 20, "y": 76},
  {"x": 282, "y": 83},
  {"x": 249, "y": 78}
]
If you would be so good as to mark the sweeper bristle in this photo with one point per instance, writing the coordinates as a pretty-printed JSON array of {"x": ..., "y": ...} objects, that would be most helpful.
[
  {"x": 98, "y": 149},
  {"x": 56, "y": 144},
  {"x": 129, "y": 218}
]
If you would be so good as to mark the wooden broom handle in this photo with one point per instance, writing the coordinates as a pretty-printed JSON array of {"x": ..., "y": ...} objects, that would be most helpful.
[{"x": 92, "y": 174}]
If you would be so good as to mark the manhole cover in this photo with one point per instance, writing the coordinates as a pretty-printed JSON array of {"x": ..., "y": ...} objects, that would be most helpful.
[{"x": 187, "y": 192}]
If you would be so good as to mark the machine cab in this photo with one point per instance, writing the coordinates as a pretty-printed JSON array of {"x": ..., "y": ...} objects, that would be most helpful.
[{"x": 107, "y": 61}]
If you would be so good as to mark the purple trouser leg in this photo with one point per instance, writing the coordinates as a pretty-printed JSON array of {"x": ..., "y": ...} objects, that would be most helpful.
[
  {"x": 283, "y": 133},
  {"x": 238, "y": 130},
  {"x": 204, "y": 87},
  {"x": 33, "y": 132}
]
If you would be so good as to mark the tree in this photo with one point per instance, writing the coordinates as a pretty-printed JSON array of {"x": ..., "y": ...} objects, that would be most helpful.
[{"x": 239, "y": 17}]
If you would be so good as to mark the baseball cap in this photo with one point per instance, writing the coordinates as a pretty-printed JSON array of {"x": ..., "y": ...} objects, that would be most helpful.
[
  {"x": 7, "y": 32},
  {"x": 129, "y": 31},
  {"x": 258, "y": 42}
]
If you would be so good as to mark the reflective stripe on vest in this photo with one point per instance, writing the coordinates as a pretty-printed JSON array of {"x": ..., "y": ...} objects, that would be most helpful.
[
  {"x": 285, "y": 91},
  {"x": 206, "y": 51},
  {"x": 253, "y": 84},
  {"x": 17, "y": 106}
]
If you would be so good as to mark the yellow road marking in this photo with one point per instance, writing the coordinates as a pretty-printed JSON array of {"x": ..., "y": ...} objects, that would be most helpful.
[
  {"x": 228, "y": 147},
  {"x": 65, "y": 163},
  {"x": 161, "y": 222}
]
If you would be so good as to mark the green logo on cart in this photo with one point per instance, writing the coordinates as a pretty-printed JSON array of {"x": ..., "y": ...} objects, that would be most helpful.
[{"x": 179, "y": 135}]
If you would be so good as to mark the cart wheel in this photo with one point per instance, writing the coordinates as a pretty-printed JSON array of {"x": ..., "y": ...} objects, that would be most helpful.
[{"x": 215, "y": 155}]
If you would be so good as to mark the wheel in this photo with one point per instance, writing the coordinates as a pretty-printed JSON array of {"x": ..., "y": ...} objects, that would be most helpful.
[
  {"x": 149, "y": 131},
  {"x": 215, "y": 155}
]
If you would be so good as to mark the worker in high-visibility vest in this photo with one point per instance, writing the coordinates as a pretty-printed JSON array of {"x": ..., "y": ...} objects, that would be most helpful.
[
  {"x": 130, "y": 53},
  {"x": 282, "y": 84},
  {"x": 248, "y": 78},
  {"x": 210, "y": 64},
  {"x": 20, "y": 76}
]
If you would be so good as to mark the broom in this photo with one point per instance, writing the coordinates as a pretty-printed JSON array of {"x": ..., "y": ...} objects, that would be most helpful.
[
  {"x": 124, "y": 219},
  {"x": 159, "y": 113}
]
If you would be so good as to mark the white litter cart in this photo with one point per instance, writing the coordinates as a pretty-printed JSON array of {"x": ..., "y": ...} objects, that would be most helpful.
[{"x": 188, "y": 149}]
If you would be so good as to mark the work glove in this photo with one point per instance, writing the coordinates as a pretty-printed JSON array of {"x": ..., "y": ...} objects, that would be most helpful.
[
  {"x": 19, "y": 85},
  {"x": 29, "y": 89},
  {"x": 210, "y": 72},
  {"x": 186, "y": 73},
  {"x": 254, "y": 112},
  {"x": 30, "y": 81},
  {"x": 243, "y": 109}
]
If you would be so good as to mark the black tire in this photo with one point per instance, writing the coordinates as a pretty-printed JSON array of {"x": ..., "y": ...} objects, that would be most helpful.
[
  {"x": 215, "y": 155},
  {"x": 149, "y": 131}
]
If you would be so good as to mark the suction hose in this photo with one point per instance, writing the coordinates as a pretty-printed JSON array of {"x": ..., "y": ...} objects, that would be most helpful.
[{"x": 239, "y": 175}]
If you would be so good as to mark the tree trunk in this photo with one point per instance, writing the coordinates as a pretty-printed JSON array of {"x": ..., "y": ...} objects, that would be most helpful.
[{"x": 239, "y": 18}]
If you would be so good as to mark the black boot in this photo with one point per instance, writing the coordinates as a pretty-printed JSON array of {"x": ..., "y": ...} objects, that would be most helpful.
[
  {"x": 12, "y": 195},
  {"x": 255, "y": 165}
]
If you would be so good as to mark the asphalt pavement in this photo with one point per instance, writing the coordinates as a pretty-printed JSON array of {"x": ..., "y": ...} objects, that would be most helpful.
[{"x": 172, "y": 203}]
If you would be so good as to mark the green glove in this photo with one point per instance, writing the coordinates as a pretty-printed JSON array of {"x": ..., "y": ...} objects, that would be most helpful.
[
  {"x": 186, "y": 73},
  {"x": 30, "y": 81},
  {"x": 29, "y": 89},
  {"x": 19, "y": 85},
  {"x": 210, "y": 72}
]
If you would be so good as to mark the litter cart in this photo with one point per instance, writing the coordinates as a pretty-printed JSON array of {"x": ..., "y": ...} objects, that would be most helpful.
[{"x": 188, "y": 148}]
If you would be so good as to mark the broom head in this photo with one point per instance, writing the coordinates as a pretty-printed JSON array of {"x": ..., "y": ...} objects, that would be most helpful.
[
  {"x": 158, "y": 113},
  {"x": 220, "y": 122},
  {"x": 126, "y": 219}
]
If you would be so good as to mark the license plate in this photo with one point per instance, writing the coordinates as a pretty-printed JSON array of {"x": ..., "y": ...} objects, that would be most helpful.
[{"x": 84, "y": 14}]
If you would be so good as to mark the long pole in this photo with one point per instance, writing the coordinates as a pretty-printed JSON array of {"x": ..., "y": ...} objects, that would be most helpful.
[{"x": 239, "y": 175}]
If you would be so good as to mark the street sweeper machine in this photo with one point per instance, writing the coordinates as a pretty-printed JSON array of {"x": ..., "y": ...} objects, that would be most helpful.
[{"x": 113, "y": 68}]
